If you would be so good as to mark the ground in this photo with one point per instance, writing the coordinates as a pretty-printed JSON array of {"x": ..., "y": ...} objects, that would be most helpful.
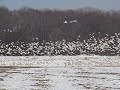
[{"x": 60, "y": 73}]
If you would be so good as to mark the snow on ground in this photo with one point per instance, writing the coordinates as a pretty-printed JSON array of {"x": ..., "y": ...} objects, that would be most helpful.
[
  {"x": 50, "y": 61},
  {"x": 60, "y": 73},
  {"x": 69, "y": 78}
]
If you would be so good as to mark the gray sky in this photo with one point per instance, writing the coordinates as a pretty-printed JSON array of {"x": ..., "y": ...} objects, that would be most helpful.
[{"x": 61, "y": 4}]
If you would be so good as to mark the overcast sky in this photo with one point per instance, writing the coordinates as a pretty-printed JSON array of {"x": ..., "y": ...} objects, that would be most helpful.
[{"x": 61, "y": 4}]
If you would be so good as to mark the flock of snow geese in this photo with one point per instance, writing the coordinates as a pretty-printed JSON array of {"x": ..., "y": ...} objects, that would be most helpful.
[{"x": 109, "y": 45}]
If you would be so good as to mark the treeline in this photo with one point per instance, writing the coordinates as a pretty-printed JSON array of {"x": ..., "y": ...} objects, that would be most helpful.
[{"x": 27, "y": 24}]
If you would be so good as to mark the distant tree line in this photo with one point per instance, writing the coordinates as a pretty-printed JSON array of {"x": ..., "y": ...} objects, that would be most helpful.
[{"x": 27, "y": 24}]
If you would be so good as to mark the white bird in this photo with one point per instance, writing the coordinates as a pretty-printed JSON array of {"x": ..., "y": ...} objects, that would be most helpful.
[
  {"x": 10, "y": 31},
  {"x": 65, "y": 21},
  {"x": 73, "y": 21}
]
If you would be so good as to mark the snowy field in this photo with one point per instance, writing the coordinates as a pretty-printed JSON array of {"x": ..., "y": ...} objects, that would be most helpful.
[
  {"x": 57, "y": 61},
  {"x": 60, "y": 73}
]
